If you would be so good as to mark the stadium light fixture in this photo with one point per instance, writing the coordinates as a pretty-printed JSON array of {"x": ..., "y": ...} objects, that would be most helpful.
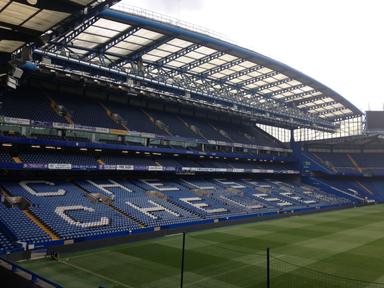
[
  {"x": 50, "y": 147},
  {"x": 32, "y": 2},
  {"x": 35, "y": 146},
  {"x": 83, "y": 149},
  {"x": 124, "y": 152},
  {"x": 98, "y": 150},
  {"x": 6, "y": 145}
]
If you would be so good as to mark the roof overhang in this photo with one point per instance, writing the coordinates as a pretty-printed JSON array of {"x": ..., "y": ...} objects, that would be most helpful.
[{"x": 120, "y": 45}]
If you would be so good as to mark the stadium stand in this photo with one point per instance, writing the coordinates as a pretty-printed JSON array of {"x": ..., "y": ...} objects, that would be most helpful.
[
  {"x": 101, "y": 141},
  {"x": 92, "y": 208}
]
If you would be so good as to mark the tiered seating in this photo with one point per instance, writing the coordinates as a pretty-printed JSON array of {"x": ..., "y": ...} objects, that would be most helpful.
[
  {"x": 338, "y": 161},
  {"x": 354, "y": 163},
  {"x": 178, "y": 194},
  {"x": 5, "y": 157},
  {"x": 90, "y": 112},
  {"x": 127, "y": 160},
  {"x": 20, "y": 227},
  {"x": 88, "y": 209},
  {"x": 5, "y": 243},
  {"x": 44, "y": 157},
  {"x": 174, "y": 124},
  {"x": 86, "y": 112},
  {"x": 205, "y": 128},
  {"x": 372, "y": 163},
  {"x": 151, "y": 209},
  {"x": 29, "y": 105},
  {"x": 228, "y": 194},
  {"x": 135, "y": 118},
  {"x": 370, "y": 189},
  {"x": 65, "y": 209}
]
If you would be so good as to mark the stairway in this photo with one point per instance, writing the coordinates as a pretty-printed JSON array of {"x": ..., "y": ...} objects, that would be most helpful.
[
  {"x": 41, "y": 225},
  {"x": 142, "y": 224},
  {"x": 17, "y": 160},
  {"x": 364, "y": 187},
  {"x": 153, "y": 121},
  {"x": 218, "y": 131},
  {"x": 54, "y": 107},
  {"x": 109, "y": 113},
  {"x": 326, "y": 163},
  {"x": 189, "y": 127},
  {"x": 358, "y": 168}
]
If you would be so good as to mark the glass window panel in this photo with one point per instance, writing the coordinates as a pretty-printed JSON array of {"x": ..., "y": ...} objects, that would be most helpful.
[
  {"x": 148, "y": 34},
  {"x": 113, "y": 25},
  {"x": 101, "y": 31}
]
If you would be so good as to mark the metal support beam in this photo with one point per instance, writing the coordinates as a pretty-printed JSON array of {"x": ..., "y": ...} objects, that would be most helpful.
[
  {"x": 100, "y": 49},
  {"x": 306, "y": 100},
  {"x": 177, "y": 54},
  {"x": 257, "y": 79},
  {"x": 78, "y": 30},
  {"x": 221, "y": 67},
  {"x": 273, "y": 84},
  {"x": 201, "y": 61},
  {"x": 74, "y": 26},
  {"x": 142, "y": 51},
  {"x": 56, "y": 5},
  {"x": 285, "y": 90},
  {"x": 241, "y": 73},
  {"x": 330, "y": 111},
  {"x": 322, "y": 105}
]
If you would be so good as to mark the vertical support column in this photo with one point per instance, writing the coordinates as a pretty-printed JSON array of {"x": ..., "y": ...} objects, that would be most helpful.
[
  {"x": 268, "y": 282},
  {"x": 182, "y": 262}
]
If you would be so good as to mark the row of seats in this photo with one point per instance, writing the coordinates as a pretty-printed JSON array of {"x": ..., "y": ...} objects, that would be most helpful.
[
  {"x": 33, "y": 105},
  {"x": 93, "y": 208},
  {"x": 364, "y": 188},
  {"x": 353, "y": 163},
  {"x": 87, "y": 159}
]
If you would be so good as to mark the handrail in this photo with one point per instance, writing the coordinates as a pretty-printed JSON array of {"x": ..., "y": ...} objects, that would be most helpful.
[{"x": 35, "y": 278}]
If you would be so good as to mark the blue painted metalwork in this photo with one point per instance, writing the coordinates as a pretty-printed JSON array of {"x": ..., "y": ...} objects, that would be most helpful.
[
  {"x": 144, "y": 50},
  {"x": 302, "y": 101},
  {"x": 110, "y": 43},
  {"x": 286, "y": 90},
  {"x": 221, "y": 67},
  {"x": 201, "y": 61},
  {"x": 177, "y": 54},
  {"x": 225, "y": 46}
]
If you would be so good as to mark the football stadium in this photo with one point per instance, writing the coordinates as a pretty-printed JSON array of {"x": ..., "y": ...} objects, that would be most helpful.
[{"x": 137, "y": 150}]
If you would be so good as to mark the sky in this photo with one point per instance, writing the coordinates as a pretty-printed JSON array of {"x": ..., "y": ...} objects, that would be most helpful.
[{"x": 337, "y": 42}]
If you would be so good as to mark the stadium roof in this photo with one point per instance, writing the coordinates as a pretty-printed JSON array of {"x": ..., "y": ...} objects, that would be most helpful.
[
  {"x": 24, "y": 20},
  {"x": 153, "y": 48}
]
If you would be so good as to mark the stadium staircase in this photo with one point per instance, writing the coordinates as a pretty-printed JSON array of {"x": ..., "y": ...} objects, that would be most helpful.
[
  {"x": 189, "y": 127},
  {"x": 153, "y": 121},
  {"x": 326, "y": 163},
  {"x": 364, "y": 187},
  {"x": 353, "y": 161},
  {"x": 110, "y": 115},
  {"x": 55, "y": 108},
  {"x": 17, "y": 159},
  {"x": 221, "y": 132},
  {"x": 41, "y": 225},
  {"x": 110, "y": 205}
]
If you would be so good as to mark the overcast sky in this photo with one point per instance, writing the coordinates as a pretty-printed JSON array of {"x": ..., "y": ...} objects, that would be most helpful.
[{"x": 338, "y": 42}]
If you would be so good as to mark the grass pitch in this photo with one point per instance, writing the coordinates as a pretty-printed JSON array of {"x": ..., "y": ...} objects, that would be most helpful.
[{"x": 341, "y": 244}]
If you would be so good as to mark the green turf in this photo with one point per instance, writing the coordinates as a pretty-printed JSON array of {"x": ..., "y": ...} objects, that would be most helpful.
[{"x": 347, "y": 243}]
